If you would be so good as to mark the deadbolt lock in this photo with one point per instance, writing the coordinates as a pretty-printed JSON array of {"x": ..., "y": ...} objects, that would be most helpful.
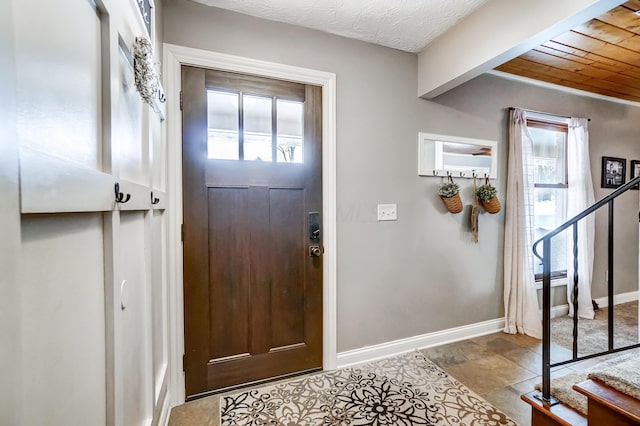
[{"x": 315, "y": 251}]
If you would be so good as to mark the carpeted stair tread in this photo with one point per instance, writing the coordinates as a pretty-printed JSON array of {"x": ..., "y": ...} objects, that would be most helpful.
[
  {"x": 608, "y": 403},
  {"x": 623, "y": 376},
  {"x": 562, "y": 387}
]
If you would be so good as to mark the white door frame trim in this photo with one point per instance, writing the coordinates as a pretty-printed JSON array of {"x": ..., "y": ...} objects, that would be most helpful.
[{"x": 174, "y": 57}]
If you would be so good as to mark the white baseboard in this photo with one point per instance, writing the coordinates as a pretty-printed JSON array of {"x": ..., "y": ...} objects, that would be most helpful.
[
  {"x": 603, "y": 302},
  {"x": 558, "y": 311},
  {"x": 397, "y": 347},
  {"x": 165, "y": 411}
]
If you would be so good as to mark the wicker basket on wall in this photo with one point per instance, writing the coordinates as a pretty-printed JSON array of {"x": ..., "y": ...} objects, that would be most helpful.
[
  {"x": 449, "y": 191},
  {"x": 488, "y": 196},
  {"x": 454, "y": 204},
  {"x": 491, "y": 206}
]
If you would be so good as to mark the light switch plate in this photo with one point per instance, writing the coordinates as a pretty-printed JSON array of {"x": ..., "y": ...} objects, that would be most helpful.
[{"x": 387, "y": 212}]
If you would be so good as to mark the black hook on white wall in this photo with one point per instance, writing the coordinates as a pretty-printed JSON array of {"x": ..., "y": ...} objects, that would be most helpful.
[
  {"x": 120, "y": 197},
  {"x": 154, "y": 200}
]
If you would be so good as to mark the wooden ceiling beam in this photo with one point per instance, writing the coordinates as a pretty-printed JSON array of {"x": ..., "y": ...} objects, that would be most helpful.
[
  {"x": 600, "y": 56},
  {"x": 613, "y": 83},
  {"x": 565, "y": 83},
  {"x": 622, "y": 17},
  {"x": 604, "y": 32},
  {"x": 633, "y": 5}
]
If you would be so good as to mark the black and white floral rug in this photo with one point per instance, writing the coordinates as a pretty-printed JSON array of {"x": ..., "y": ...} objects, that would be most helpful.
[{"x": 401, "y": 391}]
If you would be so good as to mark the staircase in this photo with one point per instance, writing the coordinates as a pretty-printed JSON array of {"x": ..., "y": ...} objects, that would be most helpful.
[
  {"x": 548, "y": 415},
  {"x": 606, "y": 406}
]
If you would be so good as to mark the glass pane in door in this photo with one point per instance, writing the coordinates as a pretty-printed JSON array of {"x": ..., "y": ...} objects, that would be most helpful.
[
  {"x": 290, "y": 118},
  {"x": 257, "y": 128},
  {"x": 222, "y": 112}
]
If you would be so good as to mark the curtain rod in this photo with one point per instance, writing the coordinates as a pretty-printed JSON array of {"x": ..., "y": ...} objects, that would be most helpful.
[{"x": 545, "y": 113}]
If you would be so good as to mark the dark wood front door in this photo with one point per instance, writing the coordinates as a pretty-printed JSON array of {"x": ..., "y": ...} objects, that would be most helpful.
[{"x": 252, "y": 192}]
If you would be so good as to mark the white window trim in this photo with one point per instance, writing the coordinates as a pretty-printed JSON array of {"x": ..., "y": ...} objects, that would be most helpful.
[{"x": 555, "y": 282}]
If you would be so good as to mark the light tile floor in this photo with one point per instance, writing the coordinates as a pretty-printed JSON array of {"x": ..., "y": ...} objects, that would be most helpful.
[{"x": 499, "y": 367}]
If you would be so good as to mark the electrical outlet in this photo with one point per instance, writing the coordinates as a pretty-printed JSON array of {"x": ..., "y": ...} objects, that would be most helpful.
[{"x": 387, "y": 212}]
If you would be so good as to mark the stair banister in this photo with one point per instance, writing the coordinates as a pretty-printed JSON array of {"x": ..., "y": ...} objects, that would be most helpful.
[{"x": 545, "y": 258}]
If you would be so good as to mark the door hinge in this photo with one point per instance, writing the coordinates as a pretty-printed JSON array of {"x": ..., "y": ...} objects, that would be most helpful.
[
  {"x": 184, "y": 361},
  {"x": 182, "y": 232},
  {"x": 181, "y": 104}
]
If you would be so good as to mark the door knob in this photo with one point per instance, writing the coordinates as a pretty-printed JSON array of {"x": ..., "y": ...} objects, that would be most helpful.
[{"x": 315, "y": 251}]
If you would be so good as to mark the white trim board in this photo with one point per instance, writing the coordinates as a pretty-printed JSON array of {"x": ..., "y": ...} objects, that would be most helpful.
[
  {"x": 174, "y": 58},
  {"x": 443, "y": 337},
  {"x": 603, "y": 302},
  {"x": 397, "y": 347}
]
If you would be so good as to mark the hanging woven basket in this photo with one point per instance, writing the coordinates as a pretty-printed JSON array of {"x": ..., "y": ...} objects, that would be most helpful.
[
  {"x": 454, "y": 204},
  {"x": 492, "y": 205}
]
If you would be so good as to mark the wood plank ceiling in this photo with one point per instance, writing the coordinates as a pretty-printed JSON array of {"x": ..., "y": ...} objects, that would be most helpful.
[{"x": 601, "y": 56}]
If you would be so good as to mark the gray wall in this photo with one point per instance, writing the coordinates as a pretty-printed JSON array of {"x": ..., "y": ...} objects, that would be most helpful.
[
  {"x": 614, "y": 131},
  {"x": 422, "y": 273}
]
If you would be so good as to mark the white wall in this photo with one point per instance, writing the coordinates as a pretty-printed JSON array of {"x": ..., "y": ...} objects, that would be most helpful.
[
  {"x": 83, "y": 349},
  {"x": 10, "y": 358},
  {"x": 421, "y": 273},
  {"x": 62, "y": 331}
]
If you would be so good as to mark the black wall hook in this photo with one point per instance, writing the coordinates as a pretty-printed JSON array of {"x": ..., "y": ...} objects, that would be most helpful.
[
  {"x": 120, "y": 197},
  {"x": 154, "y": 200}
]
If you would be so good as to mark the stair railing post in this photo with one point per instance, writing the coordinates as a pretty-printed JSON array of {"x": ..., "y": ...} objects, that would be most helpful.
[
  {"x": 575, "y": 290},
  {"x": 546, "y": 320},
  {"x": 610, "y": 275}
]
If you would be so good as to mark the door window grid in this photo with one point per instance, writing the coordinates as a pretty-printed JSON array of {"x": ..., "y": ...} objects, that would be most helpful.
[{"x": 254, "y": 128}]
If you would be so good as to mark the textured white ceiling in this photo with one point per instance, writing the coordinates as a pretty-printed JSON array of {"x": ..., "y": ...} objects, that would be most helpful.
[{"x": 402, "y": 24}]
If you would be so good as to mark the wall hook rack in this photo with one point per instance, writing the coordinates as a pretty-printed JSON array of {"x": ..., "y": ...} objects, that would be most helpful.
[
  {"x": 121, "y": 197},
  {"x": 154, "y": 200}
]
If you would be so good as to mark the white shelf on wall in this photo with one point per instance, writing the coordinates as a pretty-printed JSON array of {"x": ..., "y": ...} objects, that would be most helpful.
[{"x": 443, "y": 155}]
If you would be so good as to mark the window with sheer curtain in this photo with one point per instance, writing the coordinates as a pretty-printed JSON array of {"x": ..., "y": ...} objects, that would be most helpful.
[
  {"x": 549, "y": 180},
  {"x": 550, "y": 188}
]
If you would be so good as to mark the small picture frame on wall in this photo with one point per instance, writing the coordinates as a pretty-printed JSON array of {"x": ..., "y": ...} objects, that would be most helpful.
[
  {"x": 635, "y": 171},
  {"x": 613, "y": 172}
]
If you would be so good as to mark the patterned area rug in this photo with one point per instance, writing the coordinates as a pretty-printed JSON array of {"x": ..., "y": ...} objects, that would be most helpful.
[{"x": 401, "y": 391}]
